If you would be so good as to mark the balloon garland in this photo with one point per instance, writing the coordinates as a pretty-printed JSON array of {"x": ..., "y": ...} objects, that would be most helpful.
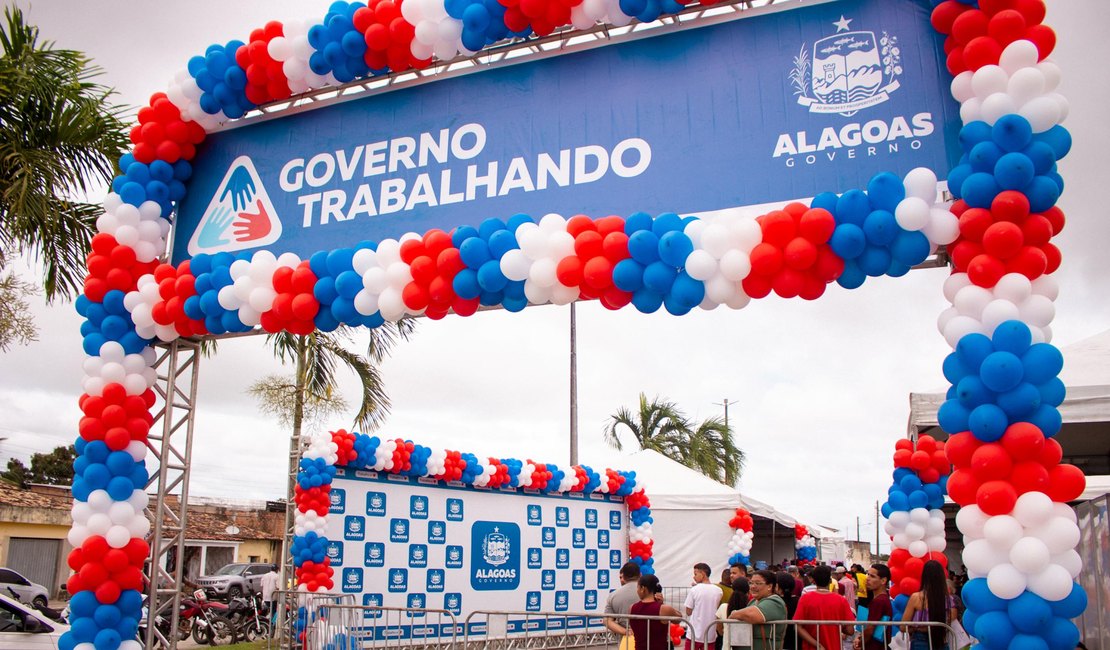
[
  {"x": 360, "y": 451},
  {"x": 805, "y": 547},
  {"x": 740, "y": 545},
  {"x": 915, "y": 519},
  {"x": 998, "y": 235}
]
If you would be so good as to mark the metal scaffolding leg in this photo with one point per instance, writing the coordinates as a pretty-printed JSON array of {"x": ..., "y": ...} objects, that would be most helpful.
[
  {"x": 286, "y": 625},
  {"x": 172, "y": 446}
]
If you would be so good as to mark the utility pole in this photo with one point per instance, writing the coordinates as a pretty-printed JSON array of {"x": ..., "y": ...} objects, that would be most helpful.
[
  {"x": 573, "y": 388},
  {"x": 725, "y": 403},
  {"x": 857, "y": 529},
  {"x": 877, "y": 549}
]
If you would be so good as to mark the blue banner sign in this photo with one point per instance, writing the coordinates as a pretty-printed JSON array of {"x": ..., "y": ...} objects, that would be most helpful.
[{"x": 776, "y": 106}]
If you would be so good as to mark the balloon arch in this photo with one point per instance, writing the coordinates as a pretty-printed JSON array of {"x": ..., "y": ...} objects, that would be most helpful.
[{"x": 1001, "y": 410}]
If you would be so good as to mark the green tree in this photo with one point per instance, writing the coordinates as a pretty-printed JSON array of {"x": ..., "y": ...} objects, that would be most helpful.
[
  {"x": 59, "y": 138},
  {"x": 661, "y": 426},
  {"x": 53, "y": 468},
  {"x": 311, "y": 394}
]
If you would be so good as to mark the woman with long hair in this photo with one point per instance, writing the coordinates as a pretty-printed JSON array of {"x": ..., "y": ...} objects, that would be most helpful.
[
  {"x": 735, "y": 636},
  {"x": 932, "y": 604},
  {"x": 785, "y": 584}
]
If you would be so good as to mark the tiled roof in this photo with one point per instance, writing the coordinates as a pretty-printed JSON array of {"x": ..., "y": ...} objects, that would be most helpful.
[{"x": 55, "y": 499}]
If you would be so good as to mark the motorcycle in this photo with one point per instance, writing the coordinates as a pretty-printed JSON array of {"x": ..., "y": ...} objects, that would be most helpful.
[
  {"x": 251, "y": 619},
  {"x": 210, "y": 622}
]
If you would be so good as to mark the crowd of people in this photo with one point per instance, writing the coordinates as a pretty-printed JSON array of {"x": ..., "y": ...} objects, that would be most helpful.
[{"x": 784, "y": 607}]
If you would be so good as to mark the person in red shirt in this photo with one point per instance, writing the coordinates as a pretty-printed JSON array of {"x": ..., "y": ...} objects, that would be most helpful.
[{"x": 823, "y": 604}]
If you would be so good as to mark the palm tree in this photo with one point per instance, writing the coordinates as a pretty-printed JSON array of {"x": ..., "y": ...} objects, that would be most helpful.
[
  {"x": 59, "y": 138},
  {"x": 659, "y": 425},
  {"x": 312, "y": 392}
]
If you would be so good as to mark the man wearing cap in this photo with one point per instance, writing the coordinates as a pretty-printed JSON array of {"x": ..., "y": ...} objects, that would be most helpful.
[{"x": 847, "y": 586}]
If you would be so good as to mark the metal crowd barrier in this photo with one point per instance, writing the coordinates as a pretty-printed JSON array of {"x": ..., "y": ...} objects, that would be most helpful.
[
  {"x": 374, "y": 627},
  {"x": 780, "y": 631},
  {"x": 675, "y": 596},
  {"x": 517, "y": 630},
  {"x": 305, "y": 621}
]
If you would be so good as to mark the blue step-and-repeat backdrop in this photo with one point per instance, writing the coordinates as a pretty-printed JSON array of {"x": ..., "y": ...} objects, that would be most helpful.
[{"x": 398, "y": 541}]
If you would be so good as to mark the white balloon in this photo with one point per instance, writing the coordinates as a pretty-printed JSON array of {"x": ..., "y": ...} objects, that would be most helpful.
[
  {"x": 1032, "y": 509},
  {"x": 1038, "y": 310},
  {"x": 1063, "y": 511},
  {"x": 118, "y": 536},
  {"x": 714, "y": 239},
  {"x": 1025, "y": 84},
  {"x": 979, "y": 556},
  {"x": 1029, "y": 555},
  {"x": 1052, "y": 584},
  {"x": 1006, "y": 582},
  {"x": 962, "y": 89},
  {"x": 952, "y": 285},
  {"x": 943, "y": 227},
  {"x": 735, "y": 265},
  {"x": 972, "y": 300},
  {"x": 1003, "y": 531},
  {"x": 1071, "y": 562},
  {"x": 899, "y": 518},
  {"x": 912, "y": 213},
  {"x": 1018, "y": 55},
  {"x": 988, "y": 80},
  {"x": 701, "y": 265},
  {"x": 1058, "y": 534},
  {"x": 1051, "y": 73},
  {"x": 918, "y": 548},
  {"x": 1043, "y": 113},
  {"x": 997, "y": 105},
  {"x": 959, "y": 327},
  {"x": 998, "y": 312},
  {"x": 970, "y": 110}
]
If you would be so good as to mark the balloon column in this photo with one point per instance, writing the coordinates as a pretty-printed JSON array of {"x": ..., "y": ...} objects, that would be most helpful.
[
  {"x": 1001, "y": 410},
  {"x": 360, "y": 451},
  {"x": 740, "y": 545},
  {"x": 999, "y": 234},
  {"x": 805, "y": 548},
  {"x": 914, "y": 518}
]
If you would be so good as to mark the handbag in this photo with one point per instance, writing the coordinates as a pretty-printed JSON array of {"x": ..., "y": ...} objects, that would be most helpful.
[
  {"x": 963, "y": 639},
  {"x": 900, "y": 641}
]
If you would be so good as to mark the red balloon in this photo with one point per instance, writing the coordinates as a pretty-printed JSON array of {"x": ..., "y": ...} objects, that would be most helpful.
[
  {"x": 778, "y": 228},
  {"x": 902, "y": 458},
  {"x": 816, "y": 225},
  {"x": 588, "y": 244},
  {"x": 598, "y": 273},
  {"x": 968, "y": 26},
  {"x": 1044, "y": 38},
  {"x": 423, "y": 269},
  {"x": 569, "y": 271},
  {"x": 920, "y": 460},
  {"x": 962, "y": 252},
  {"x": 799, "y": 254},
  {"x": 945, "y": 13},
  {"x": 1029, "y": 476},
  {"x": 962, "y": 486},
  {"x": 996, "y": 497},
  {"x": 1051, "y": 454},
  {"x": 1053, "y": 255},
  {"x": 1003, "y": 240},
  {"x": 940, "y": 462},
  {"x": 414, "y": 296},
  {"x": 982, "y": 51},
  {"x": 1066, "y": 483},
  {"x": 986, "y": 270},
  {"x": 960, "y": 448},
  {"x": 904, "y": 443},
  {"x": 1007, "y": 26},
  {"x": 1032, "y": 10},
  {"x": 1023, "y": 441},
  {"x": 1036, "y": 230},
  {"x": 927, "y": 444},
  {"x": 991, "y": 462},
  {"x": 615, "y": 246},
  {"x": 766, "y": 260},
  {"x": 955, "y": 59},
  {"x": 992, "y": 7},
  {"x": 1029, "y": 261}
]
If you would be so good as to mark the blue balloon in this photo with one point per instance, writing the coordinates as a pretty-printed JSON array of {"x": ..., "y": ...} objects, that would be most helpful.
[
  {"x": 466, "y": 284},
  {"x": 955, "y": 369},
  {"x": 1020, "y": 402},
  {"x": 972, "y": 392},
  {"x": 643, "y": 246},
  {"x": 973, "y": 349},
  {"x": 885, "y": 190},
  {"x": 501, "y": 242},
  {"x": 107, "y": 640},
  {"x": 490, "y": 277},
  {"x": 994, "y": 630},
  {"x": 1013, "y": 171},
  {"x": 1028, "y": 642},
  {"x": 825, "y": 201},
  {"x": 83, "y": 604},
  {"x": 954, "y": 417},
  {"x": 979, "y": 190},
  {"x": 852, "y": 207},
  {"x": 687, "y": 291},
  {"x": 1029, "y": 612},
  {"x": 1001, "y": 371},
  {"x": 848, "y": 241},
  {"x": 628, "y": 275},
  {"x": 1048, "y": 419},
  {"x": 636, "y": 222},
  {"x": 898, "y": 501},
  {"x": 1041, "y": 363},
  {"x": 121, "y": 488},
  {"x": 348, "y": 284},
  {"x": 973, "y": 133},
  {"x": 340, "y": 260},
  {"x": 659, "y": 277},
  {"x": 666, "y": 222},
  {"x": 107, "y": 616},
  {"x": 910, "y": 248},
  {"x": 1058, "y": 138},
  {"x": 874, "y": 261},
  {"x": 1012, "y": 132},
  {"x": 1043, "y": 193},
  {"x": 647, "y": 301},
  {"x": 984, "y": 156},
  {"x": 957, "y": 177},
  {"x": 1061, "y": 634},
  {"x": 84, "y": 629},
  {"x": 474, "y": 252},
  {"x": 880, "y": 227},
  {"x": 674, "y": 247},
  {"x": 1052, "y": 392},
  {"x": 1072, "y": 605},
  {"x": 987, "y": 422},
  {"x": 1012, "y": 336},
  {"x": 852, "y": 277}
]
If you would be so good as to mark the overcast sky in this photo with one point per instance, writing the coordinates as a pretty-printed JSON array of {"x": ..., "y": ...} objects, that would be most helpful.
[{"x": 821, "y": 387}]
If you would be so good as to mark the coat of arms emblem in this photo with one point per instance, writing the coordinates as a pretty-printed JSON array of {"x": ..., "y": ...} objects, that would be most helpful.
[
  {"x": 495, "y": 548},
  {"x": 848, "y": 71}
]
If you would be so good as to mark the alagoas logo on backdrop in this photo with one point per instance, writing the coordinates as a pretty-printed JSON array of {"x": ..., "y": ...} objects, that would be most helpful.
[
  {"x": 453, "y": 603},
  {"x": 615, "y": 519},
  {"x": 352, "y": 581},
  {"x": 591, "y": 558},
  {"x": 454, "y": 556},
  {"x": 535, "y": 515},
  {"x": 372, "y": 600},
  {"x": 578, "y": 538},
  {"x": 335, "y": 553},
  {"x": 532, "y": 601},
  {"x": 591, "y": 599},
  {"x": 548, "y": 537},
  {"x": 578, "y": 579},
  {"x": 399, "y": 530},
  {"x": 591, "y": 518},
  {"x": 845, "y": 73},
  {"x": 375, "y": 554},
  {"x": 562, "y": 558},
  {"x": 494, "y": 556},
  {"x": 375, "y": 504},
  {"x": 338, "y": 498},
  {"x": 603, "y": 579},
  {"x": 240, "y": 215},
  {"x": 603, "y": 539},
  {"x": 562, "y": 517},
  {"x": 849, "y": 71},
  {"x": 398, "y": 580},
  {"x": 615, "y": 559},
  {"x": 437, "y": 532},
  {"x": 454, "y": 510},
  {"x": 418, "y": 507},
  {"x": 436, "y": 580},
  {"x": 535, "y": 558},
  {"x": 418, "y": 556},
  {"x": 354, "y": 528},
  {"x": 562, "y": 601}
]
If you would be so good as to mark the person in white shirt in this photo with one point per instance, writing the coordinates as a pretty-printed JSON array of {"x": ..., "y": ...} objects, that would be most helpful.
[
  {"x": 701, "y": 609},
  {"x": 270, "y": 583}
]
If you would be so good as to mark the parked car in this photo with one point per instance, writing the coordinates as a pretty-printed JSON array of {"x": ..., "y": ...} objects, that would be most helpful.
[
  {"x": 29, "y": 592},
  {"x": 234, "y": 580},
  {"x": 23, "y": 628}
]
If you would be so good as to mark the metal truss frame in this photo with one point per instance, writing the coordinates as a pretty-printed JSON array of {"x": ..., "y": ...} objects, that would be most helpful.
[{"x": 171, "y": 444}]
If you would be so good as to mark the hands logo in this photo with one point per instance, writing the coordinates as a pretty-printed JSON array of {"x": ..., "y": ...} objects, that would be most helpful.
[{"x": 240, "y": 215}]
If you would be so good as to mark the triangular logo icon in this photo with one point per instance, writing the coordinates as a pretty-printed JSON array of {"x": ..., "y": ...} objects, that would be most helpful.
[{"x": 240, "y": 215}]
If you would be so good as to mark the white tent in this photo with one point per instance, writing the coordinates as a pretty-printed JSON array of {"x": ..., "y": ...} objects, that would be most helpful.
[{"x": 691, "y": 514}]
